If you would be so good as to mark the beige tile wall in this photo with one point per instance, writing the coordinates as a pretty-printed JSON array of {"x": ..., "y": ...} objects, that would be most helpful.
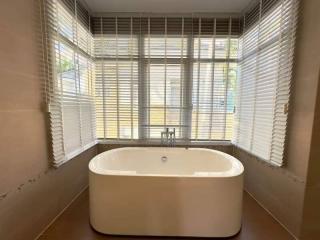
[
  {"x": 311, "y": 214},
  {"x": 31, "y": 193},
  {"x": 276, "y": 189}
]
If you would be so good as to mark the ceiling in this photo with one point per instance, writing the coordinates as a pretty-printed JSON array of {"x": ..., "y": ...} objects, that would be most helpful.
[{"x": 167, "y": 6}]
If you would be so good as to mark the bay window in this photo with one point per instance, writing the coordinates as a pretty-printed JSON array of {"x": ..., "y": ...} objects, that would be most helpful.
[{"x": 129, "y": 78}]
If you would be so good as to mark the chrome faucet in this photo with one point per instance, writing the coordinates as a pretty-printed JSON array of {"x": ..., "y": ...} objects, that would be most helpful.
[
  {"x": 168, "y": 137},
  {"x": 164, "y": 136},
  {"x": 172, "y": 137}
]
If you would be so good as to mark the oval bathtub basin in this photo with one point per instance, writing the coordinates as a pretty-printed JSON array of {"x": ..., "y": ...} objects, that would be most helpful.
[{"x": 166, "y": 192}]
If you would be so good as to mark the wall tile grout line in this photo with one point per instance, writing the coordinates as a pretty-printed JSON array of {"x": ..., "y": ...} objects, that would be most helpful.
[
  {"x": 276, "y": 219},
  {"x": 61, "y": 212}
]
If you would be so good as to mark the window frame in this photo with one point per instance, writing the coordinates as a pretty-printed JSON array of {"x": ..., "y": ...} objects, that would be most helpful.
[
  {"x": 145, "y": 61},
  {"x": 76, "y": 42},
  {"x": 186, "y": 108}
]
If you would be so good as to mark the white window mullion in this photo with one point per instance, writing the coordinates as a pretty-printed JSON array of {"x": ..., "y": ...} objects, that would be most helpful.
[
  {"x": 237, "y": 107},
  {"x": 91, "y": 91},
  {"x": 255, "y": 82},
  {"x": 77, "y": 70},
  {"x": 103, "y": 91},
  {"x": 189, "y": 84},
  {"x": 148, "y": 78},
  {"x": 131, "y": 76},
  {"x": 182, "y": 79},
  {"x": 198, "y": 82},
  {"x": 78, "y": 99},
  {"x": 227, "y": 81},
  {"x": 165, "y": 73},
  {"x": 58, "y": 100},
  {"x": 117, "y": 79},
  {"x": 143, "y": 92},
  {"x": 213, "y": 80},
  {"x": 92, "y": 107}
]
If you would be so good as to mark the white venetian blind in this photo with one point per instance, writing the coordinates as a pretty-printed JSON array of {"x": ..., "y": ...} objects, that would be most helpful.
[
  {"x": 69, "y": 78},
  {"x": 159, "y": 72},
  {"x": 116, "y": 67},
  {"x": 164, "y": 66},
  {"x": 215, "y": 52},
  {"x": 265, "y": 74}
]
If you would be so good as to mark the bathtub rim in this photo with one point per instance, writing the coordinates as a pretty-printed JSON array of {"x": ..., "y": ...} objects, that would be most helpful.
[{"x": 233, "y": 160}]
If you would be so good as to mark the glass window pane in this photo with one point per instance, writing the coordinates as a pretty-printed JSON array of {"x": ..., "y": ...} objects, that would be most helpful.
[
  {"x": 171, "y": 47},
  {"x": 221, "y": 48},
  {"x": 66, "y": 70},
  {"x": 165, "y": 104},
  {"x": 204, "y": 47},
  {"x": 120, "y": 46}
]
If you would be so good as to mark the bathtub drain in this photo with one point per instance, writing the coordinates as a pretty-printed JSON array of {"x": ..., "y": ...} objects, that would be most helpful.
[{"x": 164, "y": 158}]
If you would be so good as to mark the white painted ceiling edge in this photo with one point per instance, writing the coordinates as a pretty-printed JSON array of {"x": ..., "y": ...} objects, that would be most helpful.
[{"x": 168, "y": 7}]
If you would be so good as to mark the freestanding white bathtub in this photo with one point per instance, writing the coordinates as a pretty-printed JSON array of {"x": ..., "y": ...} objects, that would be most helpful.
[{"x": 166, "y": 192}]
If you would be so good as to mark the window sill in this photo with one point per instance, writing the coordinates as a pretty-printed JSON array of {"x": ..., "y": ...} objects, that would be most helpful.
[{"x": 158, "y": 143}]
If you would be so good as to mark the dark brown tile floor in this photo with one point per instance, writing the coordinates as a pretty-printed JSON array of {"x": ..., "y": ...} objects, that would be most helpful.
[{"x": 73, "y": 224}]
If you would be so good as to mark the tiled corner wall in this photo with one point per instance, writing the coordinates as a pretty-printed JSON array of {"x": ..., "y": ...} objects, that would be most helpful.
[
  {"x": 31, "y": 193},
  {"x": 292, "y": 193}
]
